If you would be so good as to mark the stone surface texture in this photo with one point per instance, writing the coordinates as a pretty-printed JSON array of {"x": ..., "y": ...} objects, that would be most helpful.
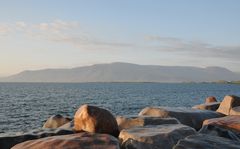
[
  {"x": 125, "y": 122},
  {"x": 187, "y": 116},
  {"x": 154, "y": 136},
  {"x": 56, "y": 121},
  {"x": 94, "y": 119},
  {"x": 203, "y": 141},
  {"x": 75, "y": 141},
  {"x": 229, "y": 102}
]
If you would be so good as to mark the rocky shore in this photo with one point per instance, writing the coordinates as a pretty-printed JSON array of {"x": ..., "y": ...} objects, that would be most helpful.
[{"x": 211, "y": 125}]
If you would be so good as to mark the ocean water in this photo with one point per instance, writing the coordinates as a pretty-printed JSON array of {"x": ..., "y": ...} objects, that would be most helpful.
[{"x": 26, "y": 106}]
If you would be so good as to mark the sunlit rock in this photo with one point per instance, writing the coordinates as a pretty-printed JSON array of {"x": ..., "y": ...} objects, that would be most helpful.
[
  {"x": 125, "y": 122},
  {"x": 97, "y": 120},
  {"x": 75, "y": 141},
  {"x": 56, "y": 121}
]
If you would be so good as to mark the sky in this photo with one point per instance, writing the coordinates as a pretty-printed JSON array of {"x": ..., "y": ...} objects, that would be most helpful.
[{"x": 71, "y": 33}]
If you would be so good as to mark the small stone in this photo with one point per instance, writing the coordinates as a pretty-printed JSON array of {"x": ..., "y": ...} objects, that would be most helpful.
[
  {"x": 210, "y": 99},
  {"x": 56, "y": 121}
]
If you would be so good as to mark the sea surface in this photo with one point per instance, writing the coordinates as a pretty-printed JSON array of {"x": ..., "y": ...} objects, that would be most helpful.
[{"x": 26, "y": 106}]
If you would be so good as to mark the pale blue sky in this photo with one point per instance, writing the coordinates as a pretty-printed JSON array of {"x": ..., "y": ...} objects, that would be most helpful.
[{"x": 69, "y": 33}]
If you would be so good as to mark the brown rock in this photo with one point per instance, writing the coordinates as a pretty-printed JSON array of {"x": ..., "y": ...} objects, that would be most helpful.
[
  {"x": 213, "y": 106},
  {"x": 96, "y": 120},
  {"x": 74, "y": 141},
  {"x": 7, "y": 141},
  {"x": 203, "y": 141},
  {"x": 229, "y": 122},
  {"x": 154, "y": 136},
  {"x": 210, "y": 99},
  {"x": 229, "y": 102},
  {"x": 125, "y": 122},
  {"x": 56, "y": 121},
  {"x": 187, "y": 116},
  {"x": 235, "y": 111},
  {"x": 216, "y": 130}
]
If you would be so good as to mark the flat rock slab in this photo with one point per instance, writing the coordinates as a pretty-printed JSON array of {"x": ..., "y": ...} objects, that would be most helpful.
[
  {"x": 75, "y": 141},
  {"x": 154, "y": 136},
  {"x": 187, "y": 116},
  {"x": 213, "y": 106},
  {"x": 125, "y": 122},
  {"x": 203, "y": 141},
  {"x": 229, "y": 122},
  {"x": 8, "y": 141}
]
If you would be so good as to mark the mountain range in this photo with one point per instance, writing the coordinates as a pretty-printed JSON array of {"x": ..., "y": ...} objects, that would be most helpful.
[{"x": 126, "y": 72}]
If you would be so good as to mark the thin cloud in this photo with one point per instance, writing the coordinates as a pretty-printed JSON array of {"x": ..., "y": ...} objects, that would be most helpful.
[{"x": 193, "y": 48}]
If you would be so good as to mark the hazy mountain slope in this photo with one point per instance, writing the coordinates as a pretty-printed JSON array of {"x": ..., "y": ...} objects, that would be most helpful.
[{"x": 125, "y": 72}]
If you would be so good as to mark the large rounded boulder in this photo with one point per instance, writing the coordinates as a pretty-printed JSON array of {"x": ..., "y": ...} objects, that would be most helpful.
[{"x": 94, "y": 119}]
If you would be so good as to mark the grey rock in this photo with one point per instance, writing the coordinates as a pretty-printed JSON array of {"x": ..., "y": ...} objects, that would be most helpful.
[
  {"x": 203, "y": 141},
  {"x": 154, "y": 136},
  {"x": 187, "y": 116}
]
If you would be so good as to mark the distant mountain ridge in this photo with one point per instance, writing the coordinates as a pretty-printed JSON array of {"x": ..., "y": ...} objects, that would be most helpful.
[{"x": 126, "y": 72}]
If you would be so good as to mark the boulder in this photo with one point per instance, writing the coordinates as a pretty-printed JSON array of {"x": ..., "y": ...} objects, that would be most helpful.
[
  {"x": 229, "y": 102},
  {"x": 213, "y": 106},
  {"x": 56, "y": 121},
  {"x": 97, "y": 120},
  {"x": 125, "y": 122},
  {"x": 75, "y": 141},
  {"x": 8, "y": 141},
  {"x": 69, "y": 125},
  {"x": 210, "y": 99},
  {"x": 229, "y": 122},
  {"x": 203, "y": 141},
  {"x": 216, "y": 130},
  {"x": 187, "y": 116},
  {"x": 235, "y": 111},
  {"x": 154, "y": 136}
]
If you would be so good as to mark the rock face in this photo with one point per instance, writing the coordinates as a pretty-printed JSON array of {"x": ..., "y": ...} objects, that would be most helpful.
[
  {"x": 154, "y": 136},
  {"x": 6, "y": 142},
  {"x": 74, "y": 141},
  {"x": 210, "y": 99},
  {"x": 125, "y": 122},
  {"x": 187, "y": 116},
  {"x": 228, "y": 103},
  {"x": 96, "y": 120},
  {"x": 228, "y": 122},
  {"x": 56, "y": 121},
  {"x": 220, "y": 131},
  {"x": 213, "y": 106},
  {"x": 203, "y": 141},
  {"x": 235, "y": 111}
]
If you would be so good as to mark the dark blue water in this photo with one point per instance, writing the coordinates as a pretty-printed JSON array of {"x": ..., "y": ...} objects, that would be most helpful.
[{"x": 26, "y": 106}]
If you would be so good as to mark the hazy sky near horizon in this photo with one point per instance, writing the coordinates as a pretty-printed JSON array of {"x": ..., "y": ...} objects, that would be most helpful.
[{"x": 70, "y": 33}]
